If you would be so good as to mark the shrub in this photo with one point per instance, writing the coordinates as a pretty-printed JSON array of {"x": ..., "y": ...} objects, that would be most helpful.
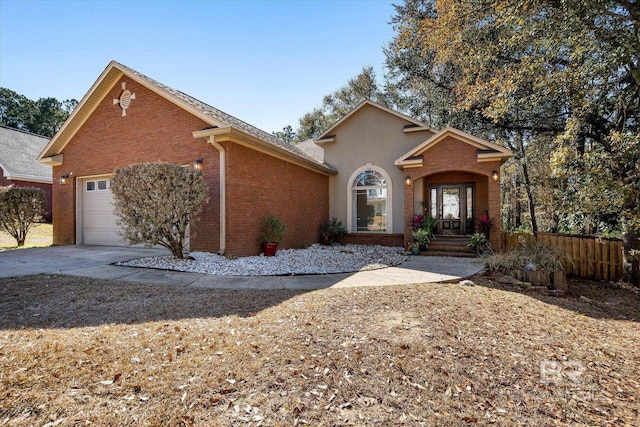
[
  {"x": 543, "y": 257},
  {"x": 422, "y": 236},
  {"x": 20, "y": 208},
  {"x": 430, "y": 224},
  {"x": 272, "y": 229},
  {"x": 478, "y": 242},
  {"x": 333, "y": 229},
  {"x": 156, "y": 203}
]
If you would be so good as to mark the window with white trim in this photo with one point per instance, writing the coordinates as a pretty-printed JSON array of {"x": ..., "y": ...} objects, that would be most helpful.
[{"x": 369, "y": 206}]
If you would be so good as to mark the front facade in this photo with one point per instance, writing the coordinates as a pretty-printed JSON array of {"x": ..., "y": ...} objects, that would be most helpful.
[
  {"x": 374, "y": 169},
  {"x": 392, "y": 167},
  {"x": 128, "y": 118},
  {"x": 18, "y": 167}
]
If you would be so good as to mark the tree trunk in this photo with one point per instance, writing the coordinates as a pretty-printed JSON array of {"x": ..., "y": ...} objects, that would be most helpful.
[
  {"x": 532, "y": 206},
  {"x": 631, "y": 262},
  {"x": 518, "y": 208}
]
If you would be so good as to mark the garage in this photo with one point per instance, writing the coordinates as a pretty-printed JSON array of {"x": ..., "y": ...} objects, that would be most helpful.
[{"x": 98, "y": 220}]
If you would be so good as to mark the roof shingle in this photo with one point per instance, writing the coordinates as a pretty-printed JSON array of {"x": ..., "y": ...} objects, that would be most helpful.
[{"x": 19, "y": 152}]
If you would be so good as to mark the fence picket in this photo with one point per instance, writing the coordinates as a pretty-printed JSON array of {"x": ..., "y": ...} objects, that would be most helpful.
[{"x": 582, "y": 256}]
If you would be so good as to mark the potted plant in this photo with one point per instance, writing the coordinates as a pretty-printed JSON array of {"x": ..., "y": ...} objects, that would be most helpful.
[
  {"x": 422, "y": 237},
  {"x": 271, "y": 232},
  {"x": 478, "y": 242},
  {"x": 416, "y": 222},
  {"x": 485, "y": 225},
  {"x": 414, "y": 248},
  {"x": 332, "y": 231}
]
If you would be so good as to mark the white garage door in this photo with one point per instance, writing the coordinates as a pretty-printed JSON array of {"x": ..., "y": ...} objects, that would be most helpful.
[{"x": 98, "y": 220}]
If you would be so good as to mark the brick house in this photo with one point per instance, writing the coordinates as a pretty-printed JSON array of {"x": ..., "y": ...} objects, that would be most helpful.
[
  {"x": 18, "y": 166},
  {"x": 129, "y": 118}
]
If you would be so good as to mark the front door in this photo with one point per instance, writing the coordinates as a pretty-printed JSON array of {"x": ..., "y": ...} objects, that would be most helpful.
[{"x": 453, "y": 205}]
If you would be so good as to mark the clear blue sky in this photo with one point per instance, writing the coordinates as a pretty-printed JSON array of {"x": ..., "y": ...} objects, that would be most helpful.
[{"x": 265, "y": 62}]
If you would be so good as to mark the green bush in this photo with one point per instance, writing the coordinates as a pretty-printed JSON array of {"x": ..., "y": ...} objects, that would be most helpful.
[
  {"x": 272, "y": 229},
  {"x": 333, "y": 229},
  {"x": 20, "y": 208},
  {"x": 422, "y": 236},
  {"x": 157, "y": 202}
]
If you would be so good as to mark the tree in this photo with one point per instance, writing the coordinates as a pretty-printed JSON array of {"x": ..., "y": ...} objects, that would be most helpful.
[
  {"x": 337, "y": 104},
  {"x": 20, "y": 208},
  {"x": 156, "y": 203},
  {"x": 43, "y": 117},
  {"x": 537, "y": 72},
  {"x": 287, "y": 135}
]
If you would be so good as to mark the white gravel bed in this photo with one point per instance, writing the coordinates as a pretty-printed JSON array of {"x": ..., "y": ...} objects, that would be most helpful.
[{"x": 316, "y": 259}]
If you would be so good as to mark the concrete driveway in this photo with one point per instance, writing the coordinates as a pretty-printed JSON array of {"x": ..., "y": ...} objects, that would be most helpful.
[{"x": 96, "y": 262}]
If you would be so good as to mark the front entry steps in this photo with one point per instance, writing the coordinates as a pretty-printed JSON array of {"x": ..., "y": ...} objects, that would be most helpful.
[{"x": 456, "y": 246}]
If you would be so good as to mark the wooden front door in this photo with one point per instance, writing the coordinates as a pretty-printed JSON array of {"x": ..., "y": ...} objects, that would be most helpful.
[{"x": 453, "y": 206}]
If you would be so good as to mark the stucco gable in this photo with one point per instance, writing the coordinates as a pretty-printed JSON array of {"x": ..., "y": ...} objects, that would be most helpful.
[
  {"x": 412, "y": 125},
  {"x": 485, "y": 150}
]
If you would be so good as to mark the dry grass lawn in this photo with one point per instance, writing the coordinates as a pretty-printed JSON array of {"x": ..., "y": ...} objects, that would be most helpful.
[
  {"x": 39, "y": 235},
  {"x": 75, "y": 351}
]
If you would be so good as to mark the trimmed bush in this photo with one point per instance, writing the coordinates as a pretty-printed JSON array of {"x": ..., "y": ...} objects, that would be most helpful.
[
  {"x": 156, "y": 203},
  {"x": 20, "y": 208}
]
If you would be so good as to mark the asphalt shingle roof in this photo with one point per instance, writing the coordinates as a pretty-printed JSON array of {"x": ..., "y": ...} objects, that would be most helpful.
[
  {"x": 229, "y": 119},
  {"x": 19, "y": 152},
  {"x": 312, "y": 149}
]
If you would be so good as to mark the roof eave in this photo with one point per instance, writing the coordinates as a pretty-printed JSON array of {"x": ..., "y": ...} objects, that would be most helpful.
[
  {"x": 240, "y": 137},
  {"x": 52, "y": 160}
]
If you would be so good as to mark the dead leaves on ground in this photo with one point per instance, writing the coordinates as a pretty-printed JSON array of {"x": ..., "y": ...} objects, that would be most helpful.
[{"x": 415, "y": 355}]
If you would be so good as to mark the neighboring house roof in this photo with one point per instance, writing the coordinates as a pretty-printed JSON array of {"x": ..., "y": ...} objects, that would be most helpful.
[
  {"x": 216, "y": 118},
  {"x": 19, "y": 153},
  {"x": 486, "y": 151},
  {"x": 312, "y": 149},
  {"x": 416, "y": 125}
]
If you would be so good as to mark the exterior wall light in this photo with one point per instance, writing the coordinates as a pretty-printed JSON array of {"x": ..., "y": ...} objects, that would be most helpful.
[
  {"x": 63, "y": 179},
  {"x": 197, "y": 164},
  {"x": 495, "y": 176},
  {"x": 407, "y": 180}
]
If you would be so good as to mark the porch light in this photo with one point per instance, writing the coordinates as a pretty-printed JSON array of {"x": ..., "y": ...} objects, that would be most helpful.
[
  {"x": 63, "y": 179},
  {"x": 494, "y": 175},
  {"x": 407, "y": 180},
  {"x": 197, "y": 164}
]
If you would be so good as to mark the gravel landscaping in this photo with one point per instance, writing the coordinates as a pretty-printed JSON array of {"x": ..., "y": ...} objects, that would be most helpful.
[{"x": 316, "y": 259}]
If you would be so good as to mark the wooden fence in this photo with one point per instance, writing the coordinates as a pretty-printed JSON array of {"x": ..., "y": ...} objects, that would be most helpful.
[{"x": 582, "y": 256}]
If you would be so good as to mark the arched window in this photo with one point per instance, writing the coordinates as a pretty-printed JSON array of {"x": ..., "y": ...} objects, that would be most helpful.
[{"x": 369, "y": 201}]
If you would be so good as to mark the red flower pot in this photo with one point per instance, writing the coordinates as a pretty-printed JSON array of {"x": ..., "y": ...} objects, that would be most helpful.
[{"x": 269, "y": 248}]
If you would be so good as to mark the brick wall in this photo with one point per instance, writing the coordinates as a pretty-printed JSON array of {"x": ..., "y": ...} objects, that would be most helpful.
[
  {"x": 453, "y": 161},
  {"x": 154, "y": 129},
  {"x": 259, "y": 185},
  {"x": 46, "y": 216}
]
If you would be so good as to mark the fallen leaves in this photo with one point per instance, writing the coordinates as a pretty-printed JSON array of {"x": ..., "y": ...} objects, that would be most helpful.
[{"x": 405, "y": 355}]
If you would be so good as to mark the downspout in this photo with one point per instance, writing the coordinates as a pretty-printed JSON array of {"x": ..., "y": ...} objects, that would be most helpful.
[{"x": 223, "y": 198}]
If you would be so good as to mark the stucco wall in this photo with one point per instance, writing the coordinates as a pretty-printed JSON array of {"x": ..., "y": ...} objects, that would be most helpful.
[{"x": 373, "y": 136}]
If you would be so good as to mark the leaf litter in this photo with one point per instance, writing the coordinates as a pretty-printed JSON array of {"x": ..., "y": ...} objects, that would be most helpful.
[{"x": 114, "y": 353}]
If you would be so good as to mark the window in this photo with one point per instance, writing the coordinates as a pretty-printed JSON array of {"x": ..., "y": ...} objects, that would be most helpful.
[
  {"x": 369, "y": 197},
  {"x": 102, "y": 185},
  {"x": 91, "y": 186}
]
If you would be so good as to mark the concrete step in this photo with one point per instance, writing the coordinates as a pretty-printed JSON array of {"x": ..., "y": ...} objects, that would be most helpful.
[{"x": 449, "y": 253}]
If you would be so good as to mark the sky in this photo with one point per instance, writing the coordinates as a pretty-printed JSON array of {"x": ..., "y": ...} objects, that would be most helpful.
[{"x": 265, "y": 62}]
